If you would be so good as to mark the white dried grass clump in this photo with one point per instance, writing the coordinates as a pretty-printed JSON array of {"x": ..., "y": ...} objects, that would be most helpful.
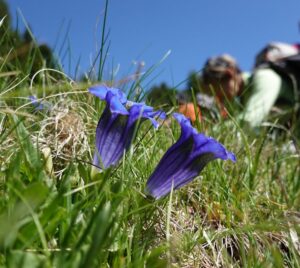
[{"x": 63, "y": 134}]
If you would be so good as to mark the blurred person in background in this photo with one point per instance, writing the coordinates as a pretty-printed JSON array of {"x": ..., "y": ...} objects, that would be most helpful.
[{"x": 272, "y": 86}]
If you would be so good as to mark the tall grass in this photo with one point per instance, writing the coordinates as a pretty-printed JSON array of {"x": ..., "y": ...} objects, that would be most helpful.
[{"x": 56, "y": 212}]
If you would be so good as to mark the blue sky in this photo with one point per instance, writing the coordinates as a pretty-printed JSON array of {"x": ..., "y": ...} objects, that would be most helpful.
[{"x": 144, "y": 31}]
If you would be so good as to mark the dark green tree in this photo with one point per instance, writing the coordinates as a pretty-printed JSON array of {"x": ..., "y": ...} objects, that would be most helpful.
[
  {"x": 20, "y": 52},
  {"x": 162, "y": 96}
]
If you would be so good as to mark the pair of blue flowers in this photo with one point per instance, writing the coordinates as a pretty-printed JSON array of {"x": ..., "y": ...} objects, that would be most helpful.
[{"x": 181, "y": 163}]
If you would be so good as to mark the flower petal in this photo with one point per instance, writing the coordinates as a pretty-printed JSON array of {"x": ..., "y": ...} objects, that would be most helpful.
[
  {"x": 109, "y": 139},
  {"x": 115, "y": 104},
  {"x": 205, "y": 145},
  {"x": 101, "y": 91},
  {"x": 110, "y": 133},
  {"x": 160, "y": 182},
  {"x": 186, "y": 127},
  {"x": 184, "y": 160},
  {"x": 140, "y": 110}
]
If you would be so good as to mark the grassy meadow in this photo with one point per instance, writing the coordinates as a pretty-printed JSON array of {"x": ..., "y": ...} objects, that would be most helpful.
[{"x": 57, "y": 211}]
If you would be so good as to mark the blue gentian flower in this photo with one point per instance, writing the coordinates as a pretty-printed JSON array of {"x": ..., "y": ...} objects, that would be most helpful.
[
  {"x": 184, "y": 160},
  {"x": 38, "y": 106},
  {"x": 117, "y": 125}
]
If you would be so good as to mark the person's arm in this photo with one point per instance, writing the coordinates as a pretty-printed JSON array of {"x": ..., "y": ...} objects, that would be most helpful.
[{"x": 266, "y": 85}]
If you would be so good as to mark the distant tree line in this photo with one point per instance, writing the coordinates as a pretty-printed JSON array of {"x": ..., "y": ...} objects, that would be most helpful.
[
  {"x": 163, "y": 95},
  {"x": 18, "y": 51}
]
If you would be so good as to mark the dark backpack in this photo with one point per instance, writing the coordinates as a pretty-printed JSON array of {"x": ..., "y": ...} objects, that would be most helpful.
[
  {"x": 289, "y": 69},
  {"x": 283, "y": 58}
]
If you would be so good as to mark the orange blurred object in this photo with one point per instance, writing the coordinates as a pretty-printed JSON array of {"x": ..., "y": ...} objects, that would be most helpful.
[{"x": 188, "y": 109}]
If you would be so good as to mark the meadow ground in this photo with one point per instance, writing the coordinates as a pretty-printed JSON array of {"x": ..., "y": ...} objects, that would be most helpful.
[{"x": 56, "y": 211}]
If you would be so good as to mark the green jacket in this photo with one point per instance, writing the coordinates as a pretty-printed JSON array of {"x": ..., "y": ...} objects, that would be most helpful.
[{"x": 264, "y": 89}]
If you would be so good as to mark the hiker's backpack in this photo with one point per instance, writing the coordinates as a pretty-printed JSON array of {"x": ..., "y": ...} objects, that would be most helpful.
[{"x": 283, "y": 58}]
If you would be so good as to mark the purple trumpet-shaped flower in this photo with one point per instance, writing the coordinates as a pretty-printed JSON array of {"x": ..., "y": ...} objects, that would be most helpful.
[
  {"x": 117, "y": 125},
  {"x": 184, "y": 160},
  {"x": 38, "y": 106}
]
